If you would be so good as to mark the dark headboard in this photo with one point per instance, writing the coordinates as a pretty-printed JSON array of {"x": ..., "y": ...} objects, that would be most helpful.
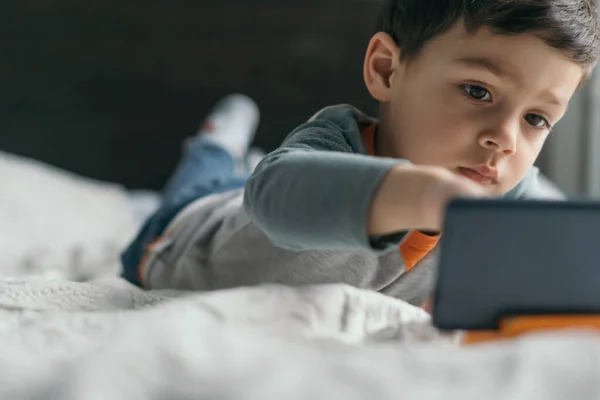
[{"x": 109, "y": 88}]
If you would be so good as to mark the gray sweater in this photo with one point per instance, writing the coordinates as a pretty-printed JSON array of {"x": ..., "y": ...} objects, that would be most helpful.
[{"x": 300, "y": 220}]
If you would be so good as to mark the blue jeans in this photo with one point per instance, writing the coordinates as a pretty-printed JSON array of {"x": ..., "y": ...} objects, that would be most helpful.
[{"x": 204, "y": 170}]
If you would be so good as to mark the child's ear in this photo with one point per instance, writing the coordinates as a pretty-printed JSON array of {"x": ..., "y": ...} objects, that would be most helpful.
[{"x": 381, "y": 61}]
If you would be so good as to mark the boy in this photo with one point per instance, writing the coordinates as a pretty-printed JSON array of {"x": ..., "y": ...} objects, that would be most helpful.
[{"x": 468, "y": 91}]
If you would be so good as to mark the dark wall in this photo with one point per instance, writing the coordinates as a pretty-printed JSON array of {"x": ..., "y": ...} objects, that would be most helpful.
[{"x": 108, "y": 89}]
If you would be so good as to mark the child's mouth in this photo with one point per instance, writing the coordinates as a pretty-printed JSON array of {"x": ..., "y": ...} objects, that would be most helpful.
[{"x": 482, "y": 175}]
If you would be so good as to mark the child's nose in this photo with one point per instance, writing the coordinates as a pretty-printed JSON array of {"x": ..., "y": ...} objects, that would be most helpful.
[{"x": 502, "y": 138}]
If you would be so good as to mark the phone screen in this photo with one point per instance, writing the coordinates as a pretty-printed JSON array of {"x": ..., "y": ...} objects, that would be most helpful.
[{"x": 501, "y": 258}]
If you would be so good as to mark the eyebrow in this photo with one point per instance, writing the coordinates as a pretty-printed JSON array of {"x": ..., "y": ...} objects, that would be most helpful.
[
  {"x": 494, "y": 66},
  {"x": 552, "y": 99},
  {"x": 504, "y": 71}
]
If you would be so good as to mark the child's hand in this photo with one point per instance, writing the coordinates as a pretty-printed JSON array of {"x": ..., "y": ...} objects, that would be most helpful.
[
  {"x": 415, "y": 197},
  {"x": 440, "y": 189}
]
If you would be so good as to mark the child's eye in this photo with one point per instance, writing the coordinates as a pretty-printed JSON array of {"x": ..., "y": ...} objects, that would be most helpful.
[
  {"x": 537, "y": 121},
  {"x": 476, "y": 92}
]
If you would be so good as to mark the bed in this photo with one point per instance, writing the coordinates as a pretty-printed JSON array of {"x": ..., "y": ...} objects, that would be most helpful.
[{"x": 70, "y": 328}]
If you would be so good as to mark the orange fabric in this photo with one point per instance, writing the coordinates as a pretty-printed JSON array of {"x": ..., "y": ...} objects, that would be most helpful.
[
  {"x": 515, "y": 326},
  {"x": 417, "y": 244},
  {"x": 368, "y": 136},
  {"x": 415, "y": 247},
  {"x": 150, "y": 247},
  {"x": 145, "y": 258}
]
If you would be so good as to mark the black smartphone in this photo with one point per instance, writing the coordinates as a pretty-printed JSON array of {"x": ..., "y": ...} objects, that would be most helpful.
[{"x": 502, "y": 258}]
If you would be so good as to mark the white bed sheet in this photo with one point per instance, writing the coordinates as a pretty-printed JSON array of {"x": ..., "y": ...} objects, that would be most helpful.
[
  {"x": 109, "y": 340},
  {"x": 105, "y": 339}
]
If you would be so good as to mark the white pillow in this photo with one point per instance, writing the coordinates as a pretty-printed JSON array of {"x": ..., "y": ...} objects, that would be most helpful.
[{"x": 55, "y": 223}]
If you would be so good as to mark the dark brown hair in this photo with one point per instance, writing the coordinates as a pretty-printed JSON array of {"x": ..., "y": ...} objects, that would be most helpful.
[{"x": 567, "y": 25}]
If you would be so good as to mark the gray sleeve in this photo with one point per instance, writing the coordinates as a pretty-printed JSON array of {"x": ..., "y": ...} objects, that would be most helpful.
[
  {"x": 546, "y": 189},
  {"x": 314, "y": 192},
  {"x": 535, "y": 186}
]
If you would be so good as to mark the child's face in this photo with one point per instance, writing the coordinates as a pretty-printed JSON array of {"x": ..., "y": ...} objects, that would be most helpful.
[{"x": 480, "y": 105}]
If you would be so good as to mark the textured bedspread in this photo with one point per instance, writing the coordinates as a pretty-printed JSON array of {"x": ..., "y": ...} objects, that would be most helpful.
[{"x": 106, "y": 339}]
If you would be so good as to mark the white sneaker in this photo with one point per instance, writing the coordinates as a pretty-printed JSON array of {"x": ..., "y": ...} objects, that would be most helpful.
[{"x": 231, "y": 124}]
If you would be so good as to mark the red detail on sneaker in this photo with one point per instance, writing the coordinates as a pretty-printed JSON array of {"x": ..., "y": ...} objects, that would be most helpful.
[{"x": 208, "y": 126}]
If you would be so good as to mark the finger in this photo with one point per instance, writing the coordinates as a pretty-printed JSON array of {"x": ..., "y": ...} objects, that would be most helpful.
[{"x": 443, "y": 189}]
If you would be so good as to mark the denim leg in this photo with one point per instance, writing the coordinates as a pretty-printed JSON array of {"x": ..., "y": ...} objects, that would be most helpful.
[{"x": 205, "y": 169}]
